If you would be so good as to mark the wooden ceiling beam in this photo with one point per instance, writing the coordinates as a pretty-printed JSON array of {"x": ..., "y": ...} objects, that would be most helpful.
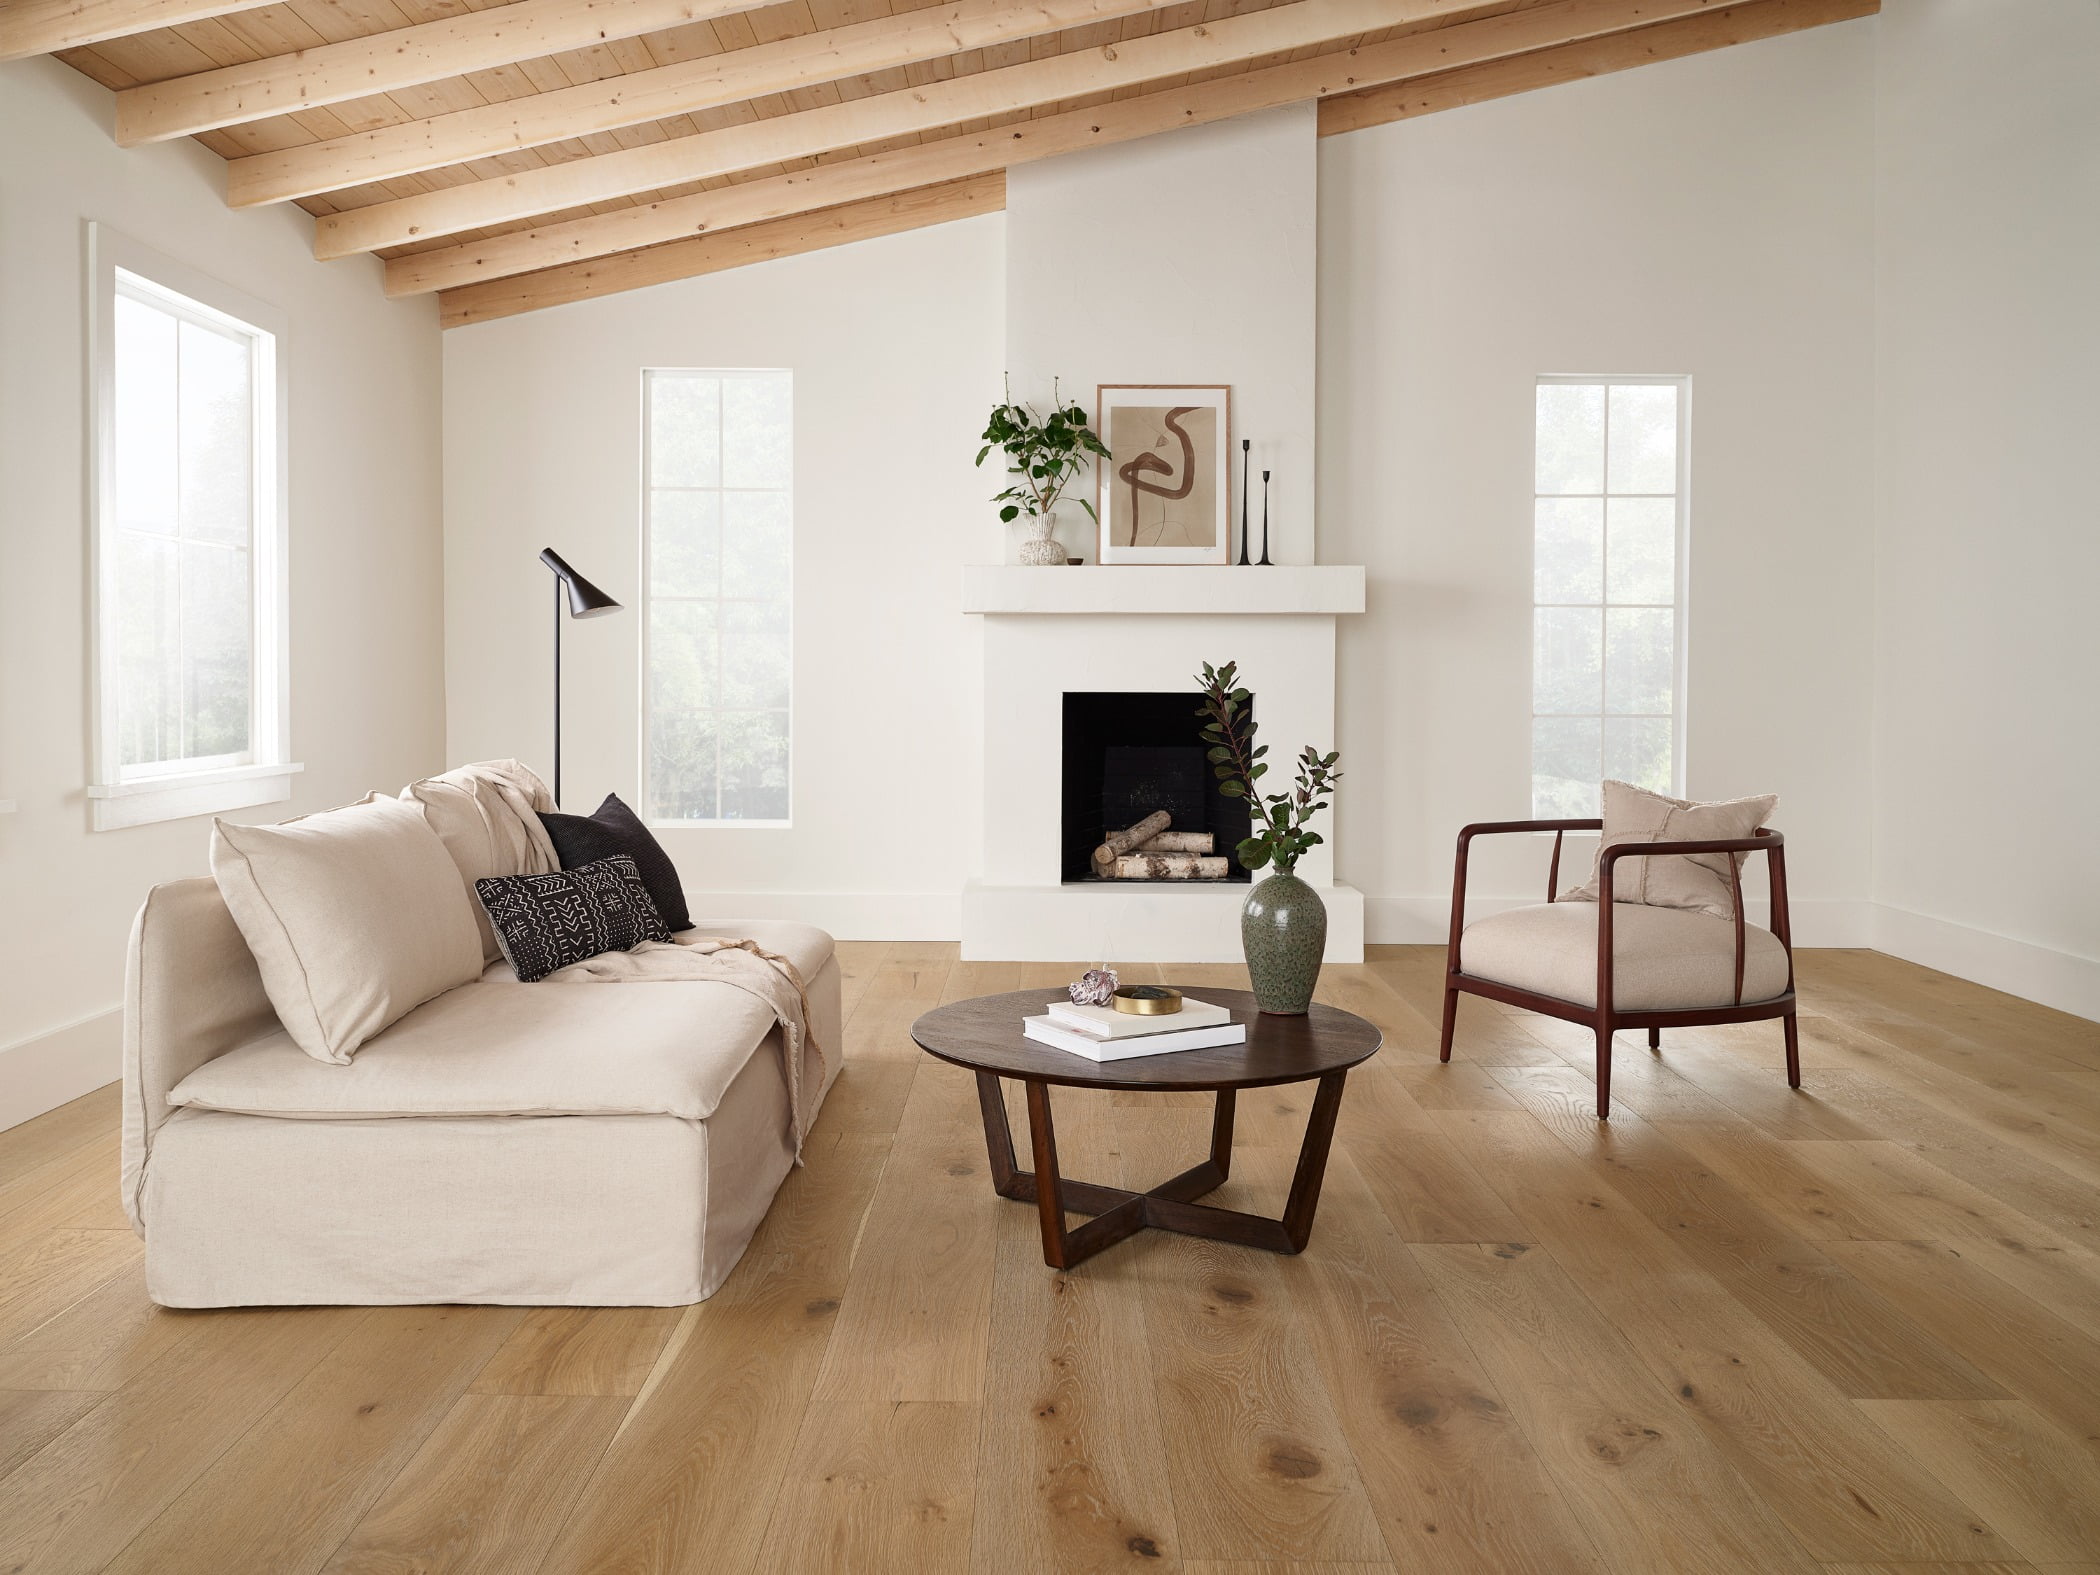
[
  {"x": 1591, "y": 57},
  {"x": 952, "y": 158},
  {"x": 43, "y": 27},
  {"x": 908, "y": 38},
  {"x": 381, "y": 62},
  {"x": 909, "y": 111},
  {"x": 859, "y": 221}
]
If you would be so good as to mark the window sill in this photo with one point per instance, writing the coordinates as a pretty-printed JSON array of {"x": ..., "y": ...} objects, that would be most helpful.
[{"x": 117, "y": 805}]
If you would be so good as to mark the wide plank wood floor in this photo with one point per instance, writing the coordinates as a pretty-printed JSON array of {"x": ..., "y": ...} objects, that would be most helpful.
[{"x": 1852, "y": 1329}]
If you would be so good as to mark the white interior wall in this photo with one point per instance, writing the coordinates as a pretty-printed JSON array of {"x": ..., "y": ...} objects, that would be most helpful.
[
  {"x": 894, "y": 344},
  {"x": 366, "y": 612},
  {"x": 1709, "y": 216},
  {"x": 1185, "y": 258},
  {"x": 1988, "y": 658}
]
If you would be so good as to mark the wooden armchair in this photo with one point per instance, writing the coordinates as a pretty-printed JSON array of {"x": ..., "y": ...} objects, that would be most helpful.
[{"x": 1618, "y": 965}]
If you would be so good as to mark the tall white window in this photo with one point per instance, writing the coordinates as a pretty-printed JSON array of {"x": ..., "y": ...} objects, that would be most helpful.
[
  {"x": 1607, "y": 682},
  {"x": 719, "y": 468},
  {"x": 190, "y": 672}
]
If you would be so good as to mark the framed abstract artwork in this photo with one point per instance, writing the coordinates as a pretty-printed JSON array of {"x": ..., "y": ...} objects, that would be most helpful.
[{"x": 1166, "y": 492}]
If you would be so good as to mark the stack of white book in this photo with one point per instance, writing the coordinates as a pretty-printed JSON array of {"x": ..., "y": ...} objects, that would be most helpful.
[{"x": 1100, "y": 1033}]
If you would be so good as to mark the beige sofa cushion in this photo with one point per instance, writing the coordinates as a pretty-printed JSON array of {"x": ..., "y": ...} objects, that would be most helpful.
[
  {"x": 355, "y": 916},
  {"x": 500, "y": 1048},
  {"x": 484, "y": 835},
  {"x": 1663, "y": 959},
  {"x": 1699, "y": 880}
]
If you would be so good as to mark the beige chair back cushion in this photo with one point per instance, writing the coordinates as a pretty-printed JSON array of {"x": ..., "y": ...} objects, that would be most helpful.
[
  {"x": 356, "y": 916},
  {"x": 485, "y": 835},
  {"x": 191, "y": 993},
  {"x": 1698, "y": 881}
]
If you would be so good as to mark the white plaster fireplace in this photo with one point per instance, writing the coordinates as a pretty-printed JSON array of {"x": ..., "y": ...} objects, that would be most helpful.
[{"x": 1050, "y": 631}]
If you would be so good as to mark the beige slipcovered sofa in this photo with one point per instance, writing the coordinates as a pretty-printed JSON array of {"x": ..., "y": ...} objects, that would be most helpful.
[{"x": 514, "y": 1143}]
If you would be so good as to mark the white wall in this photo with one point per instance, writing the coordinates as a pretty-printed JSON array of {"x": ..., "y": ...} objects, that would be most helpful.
[
  {"x": 1184, "y": 258},
  {"x": 1709, "y": 216},
  {"x": 1988, "y": 534},
  {"x": 894, "y": 344},
  {"x": 366, "y": 630}
]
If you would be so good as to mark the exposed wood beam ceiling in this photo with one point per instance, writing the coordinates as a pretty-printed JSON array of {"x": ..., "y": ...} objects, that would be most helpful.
[{"x": 520, "y": 155}]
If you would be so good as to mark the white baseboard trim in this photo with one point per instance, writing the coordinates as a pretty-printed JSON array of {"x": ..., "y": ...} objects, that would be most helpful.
[
  {"x": 847, "y": 916},
  {"x": 1426, "y": 921},
  {"x": 50, "y": 1069},
  {"x": 2035, "y": 973}
]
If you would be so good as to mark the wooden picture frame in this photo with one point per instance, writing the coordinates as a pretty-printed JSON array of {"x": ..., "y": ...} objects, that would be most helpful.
[{"x": 1166, "y": 494}]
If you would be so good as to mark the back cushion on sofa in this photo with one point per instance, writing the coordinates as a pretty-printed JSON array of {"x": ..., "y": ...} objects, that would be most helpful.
[
  {"x": 484, "y": 835},
  {"x": 356, "y": 917}
]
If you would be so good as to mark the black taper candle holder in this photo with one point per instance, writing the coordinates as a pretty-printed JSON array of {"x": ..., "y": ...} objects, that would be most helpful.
[
  {"x": 1265, "y": 563},
  {"x": 1246, "y": 445}
]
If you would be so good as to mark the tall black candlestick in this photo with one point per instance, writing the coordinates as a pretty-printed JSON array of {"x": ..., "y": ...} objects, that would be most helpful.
[
  {"x": 1265, "y": 563},
  {"x": 1245, "y": 445}
]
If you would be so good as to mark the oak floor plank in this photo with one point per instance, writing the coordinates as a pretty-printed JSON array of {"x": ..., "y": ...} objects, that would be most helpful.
[
  {"x": 284, "y": 1497},
  {"x": 57, "y": 1133},
  {"x": 76, "y": 1189},
  {"x": 2040, "y": 1358},
  {"x": 53, "y": 1270},
  {"x": 102, "y": 1341},
  {"x": 876, "y": 1485},
  {"x": 918, "y": 1330},
  {"x": 579, "y": 1351},
  {"x": 2031, "y": 1480},
  {"x": 1455, "y": 1484},
  {"x": 688, "y": 1482},
  {"x": 1900, "y": 1194},
  {"x": 1257, "y": 1459},
  {"x": 1431, "y": 1191},
  {"x": 1784, "y": 1429},
  {"x": 1651, "y": 1490},
  {"x": 31, "y": 1418},
  {"x": 1284, "y": 1567},
  {"x": 77, "y": 1502},
  {"x": 488, "y": 1489}
]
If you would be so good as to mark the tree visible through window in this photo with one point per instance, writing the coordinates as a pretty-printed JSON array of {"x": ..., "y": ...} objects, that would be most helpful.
[
  {"x": 719, "y": 471},
  {"x": 1607, "y": 610}
]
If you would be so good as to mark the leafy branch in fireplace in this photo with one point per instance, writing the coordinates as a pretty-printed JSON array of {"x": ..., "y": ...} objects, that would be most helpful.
[
  {"x": 1046, "y": 452},
  {"x": 1280, "y": 834}
]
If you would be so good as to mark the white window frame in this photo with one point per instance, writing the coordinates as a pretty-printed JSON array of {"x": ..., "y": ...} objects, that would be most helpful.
[
  {"x": 120, "y": 795},
  {"x": 648, "y": 488},
  {"x": 1681, "y": 590}
]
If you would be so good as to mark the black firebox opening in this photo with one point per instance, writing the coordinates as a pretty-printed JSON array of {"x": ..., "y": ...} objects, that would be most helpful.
[{"x": 1128, "y": 754}]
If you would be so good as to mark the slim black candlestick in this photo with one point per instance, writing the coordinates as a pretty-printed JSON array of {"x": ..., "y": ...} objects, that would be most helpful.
[
  {"x": 1265, "y": 563},
  {"x": 1245, "y": 445}
]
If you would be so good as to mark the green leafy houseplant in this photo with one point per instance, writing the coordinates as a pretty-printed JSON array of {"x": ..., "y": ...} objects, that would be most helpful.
[
  {"x": 1044, "y": 455},
  {"x": 1281, "y": 834}
]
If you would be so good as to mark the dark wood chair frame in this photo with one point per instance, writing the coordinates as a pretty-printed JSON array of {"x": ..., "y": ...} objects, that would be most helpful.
[{"x": 1604, "y": 1017}]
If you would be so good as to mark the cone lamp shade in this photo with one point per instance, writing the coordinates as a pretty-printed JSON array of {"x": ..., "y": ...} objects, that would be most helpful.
[{"x": 584, "y": 600}]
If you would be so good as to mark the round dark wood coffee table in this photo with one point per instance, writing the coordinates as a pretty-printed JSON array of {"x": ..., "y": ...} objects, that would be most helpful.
[{"x": 985, "y": 1036}]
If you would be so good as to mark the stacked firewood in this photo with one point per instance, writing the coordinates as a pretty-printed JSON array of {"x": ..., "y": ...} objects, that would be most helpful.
[{"x": 1151, "y": 851}]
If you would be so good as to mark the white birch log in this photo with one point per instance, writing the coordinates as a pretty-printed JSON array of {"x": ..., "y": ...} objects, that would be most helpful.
[
  {"x": 1121, "y": 842},
  {"x": 1171, "y": 866},
  {"x": 1179, "y": 842}
]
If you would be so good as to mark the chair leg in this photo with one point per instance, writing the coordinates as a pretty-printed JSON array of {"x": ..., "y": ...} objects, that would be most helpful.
[
  {"x": 1793, "y": 1053},
  {"x": 1655, "y": 1038},
  {"x": 1603, "y": 1074},
  {"x": 1450, "y": 1020}
]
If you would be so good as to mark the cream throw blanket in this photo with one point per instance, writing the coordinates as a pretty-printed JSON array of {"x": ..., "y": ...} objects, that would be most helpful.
[{"x": 511, "y": 797}]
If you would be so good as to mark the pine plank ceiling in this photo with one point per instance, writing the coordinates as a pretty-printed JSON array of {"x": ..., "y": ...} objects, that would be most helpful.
[{"x": 516, "y": 156}]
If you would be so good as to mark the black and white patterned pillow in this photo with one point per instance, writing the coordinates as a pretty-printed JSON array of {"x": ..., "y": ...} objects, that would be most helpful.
[{"x": 545, "y": 922}]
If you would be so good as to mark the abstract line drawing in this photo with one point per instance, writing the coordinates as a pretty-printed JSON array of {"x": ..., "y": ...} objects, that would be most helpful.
[{"x": 1135, "y": 473}]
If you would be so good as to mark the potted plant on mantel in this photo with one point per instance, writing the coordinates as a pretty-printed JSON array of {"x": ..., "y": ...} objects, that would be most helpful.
[
  {"x": 1283, "y": 923},
  {"x": 1047, "y": 454}
]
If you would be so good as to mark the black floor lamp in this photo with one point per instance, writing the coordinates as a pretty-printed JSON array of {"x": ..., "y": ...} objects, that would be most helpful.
[{"x": 585, "y": 601}]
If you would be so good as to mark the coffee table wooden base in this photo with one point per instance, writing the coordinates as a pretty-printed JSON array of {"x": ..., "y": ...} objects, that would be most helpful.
[{"x": 1169, "y": 1206}]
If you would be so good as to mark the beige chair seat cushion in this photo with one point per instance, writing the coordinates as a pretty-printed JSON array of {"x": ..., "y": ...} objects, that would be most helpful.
[
  {"x": 496, "y": 1047},
  {"x": 1664, "y": 959}
]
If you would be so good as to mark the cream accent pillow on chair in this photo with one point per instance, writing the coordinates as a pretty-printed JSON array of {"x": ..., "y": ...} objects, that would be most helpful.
[
  {"x": 356, "y": 917},
  {"x": 1698, "y": 881}
]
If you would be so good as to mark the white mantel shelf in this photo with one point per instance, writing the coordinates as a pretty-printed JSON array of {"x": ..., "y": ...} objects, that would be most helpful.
[{"x": 1300, "y": 589}]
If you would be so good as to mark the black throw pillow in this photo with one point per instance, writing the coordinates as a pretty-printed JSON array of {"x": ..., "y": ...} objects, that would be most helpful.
[
  {"x": 616, "y": 829},
  {"x": 545, "y": 922}
]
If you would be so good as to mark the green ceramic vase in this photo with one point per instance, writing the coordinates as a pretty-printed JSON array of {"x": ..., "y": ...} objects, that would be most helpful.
[{"x": 1283, "y": 927}]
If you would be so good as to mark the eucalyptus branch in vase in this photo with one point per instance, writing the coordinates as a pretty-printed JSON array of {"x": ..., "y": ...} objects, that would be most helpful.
[{"x": 1282, "y": 822}]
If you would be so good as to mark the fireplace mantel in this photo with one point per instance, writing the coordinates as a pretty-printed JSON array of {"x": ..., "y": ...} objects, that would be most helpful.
[{"x": 1320, "y": 590}]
